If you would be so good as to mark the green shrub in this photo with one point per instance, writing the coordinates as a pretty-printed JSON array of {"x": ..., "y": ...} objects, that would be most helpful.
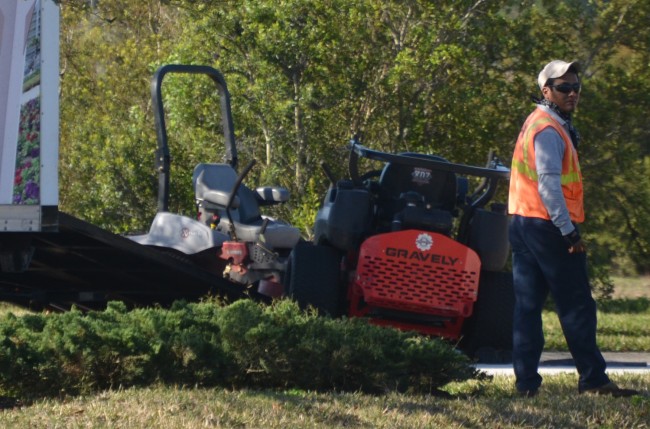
[
  {"x": 243, "y": 344},
  {"x": 282, "y": 346},
  {"x": 23, "y": 360}
]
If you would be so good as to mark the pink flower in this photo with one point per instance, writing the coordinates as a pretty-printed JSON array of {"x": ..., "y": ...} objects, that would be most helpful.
[{"x": 18, "y": 179}]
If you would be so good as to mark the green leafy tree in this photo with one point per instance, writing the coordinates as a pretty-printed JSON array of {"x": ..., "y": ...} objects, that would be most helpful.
[
  {"x": 107, "y": 138},
  {"x": 452, "y": 78}
]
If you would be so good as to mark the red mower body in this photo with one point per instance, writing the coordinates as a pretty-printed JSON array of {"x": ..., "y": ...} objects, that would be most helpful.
[
  {"x": 407, "y": 245},
  {"x": 407, "y": 276}
]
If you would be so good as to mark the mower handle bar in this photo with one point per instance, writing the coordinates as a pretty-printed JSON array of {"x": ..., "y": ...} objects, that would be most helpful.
[
  {"x": 481, "y": 196},
  {"x": 357, "y": 150}
]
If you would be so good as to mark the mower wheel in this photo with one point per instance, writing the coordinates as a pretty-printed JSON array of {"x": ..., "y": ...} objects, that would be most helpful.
[
  {"x": 487, "y": 334},
  {"x": 313, "y": 278}
]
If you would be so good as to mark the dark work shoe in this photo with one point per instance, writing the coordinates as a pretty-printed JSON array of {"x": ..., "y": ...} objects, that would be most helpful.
[
  {"x": 527, "y": 393},
  {"x": 610, "y": 389}
]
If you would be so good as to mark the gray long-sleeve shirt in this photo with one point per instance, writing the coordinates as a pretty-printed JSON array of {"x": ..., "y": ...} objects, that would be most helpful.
[{"x": 549, "y": 151}]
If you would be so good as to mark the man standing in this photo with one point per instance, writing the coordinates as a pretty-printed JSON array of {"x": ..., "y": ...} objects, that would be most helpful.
[{"x": 546, "y": 204}]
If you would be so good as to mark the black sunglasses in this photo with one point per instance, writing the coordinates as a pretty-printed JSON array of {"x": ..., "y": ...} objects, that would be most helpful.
[{"x": 566, "y": 88}]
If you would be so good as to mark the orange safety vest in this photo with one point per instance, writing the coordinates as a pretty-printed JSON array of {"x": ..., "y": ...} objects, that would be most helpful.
[{"x": 524, "y": 199}]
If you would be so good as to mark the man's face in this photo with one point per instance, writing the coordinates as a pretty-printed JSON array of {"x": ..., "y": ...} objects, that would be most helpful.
[{"x": 566, "y": 101}]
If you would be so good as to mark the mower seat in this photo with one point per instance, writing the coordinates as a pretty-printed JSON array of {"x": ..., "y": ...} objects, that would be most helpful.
[
  {"x": 212, "y": 186},
  {"x": 426, "y": 195}
]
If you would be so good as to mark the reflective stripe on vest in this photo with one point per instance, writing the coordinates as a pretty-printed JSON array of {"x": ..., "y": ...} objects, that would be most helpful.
[{"x": 571, "y": 176}]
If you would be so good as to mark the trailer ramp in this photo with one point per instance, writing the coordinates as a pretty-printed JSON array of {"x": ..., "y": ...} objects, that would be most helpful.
[{"x": 84, "y": 265}]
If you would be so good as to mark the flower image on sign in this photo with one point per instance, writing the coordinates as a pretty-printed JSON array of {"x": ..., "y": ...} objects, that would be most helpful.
[{"x": 27, "y": 177}]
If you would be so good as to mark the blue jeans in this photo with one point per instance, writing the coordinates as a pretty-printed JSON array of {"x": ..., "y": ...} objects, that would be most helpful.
[{"x": 541, "y": 263}]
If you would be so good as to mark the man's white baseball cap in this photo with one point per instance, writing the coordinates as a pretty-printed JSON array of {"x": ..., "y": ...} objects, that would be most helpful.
[{"x": 554, "y": 69}]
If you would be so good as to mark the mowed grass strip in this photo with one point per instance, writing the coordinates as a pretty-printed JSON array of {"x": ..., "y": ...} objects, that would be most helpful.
[
  {"x": 623, "y": 325},
  {"x": 476, "y": 404}
]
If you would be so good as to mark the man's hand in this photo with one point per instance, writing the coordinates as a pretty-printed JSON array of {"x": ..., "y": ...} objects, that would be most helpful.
[
  {"x": 575, "y": 243},
  {"x": 579, "y": 247}
]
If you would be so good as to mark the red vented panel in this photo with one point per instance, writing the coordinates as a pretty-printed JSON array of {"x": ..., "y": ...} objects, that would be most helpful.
[{"x": 420, "y": 272}]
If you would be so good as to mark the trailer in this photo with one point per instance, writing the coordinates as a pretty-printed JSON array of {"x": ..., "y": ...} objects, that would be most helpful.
[{"x": 83, "y": 265}]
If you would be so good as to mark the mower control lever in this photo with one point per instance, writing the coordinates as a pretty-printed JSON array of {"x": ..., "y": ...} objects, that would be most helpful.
[{"x": 233, "y": 194}]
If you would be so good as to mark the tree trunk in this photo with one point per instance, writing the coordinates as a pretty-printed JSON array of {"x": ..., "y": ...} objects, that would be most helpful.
[{"x": 301, "y": 144}]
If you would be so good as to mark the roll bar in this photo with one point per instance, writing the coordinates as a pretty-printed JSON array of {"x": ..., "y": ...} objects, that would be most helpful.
[{"x": 163, "y": 158}]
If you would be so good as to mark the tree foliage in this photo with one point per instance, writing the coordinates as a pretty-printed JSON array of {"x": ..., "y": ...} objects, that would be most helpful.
[{"x": 448, "y": 77}]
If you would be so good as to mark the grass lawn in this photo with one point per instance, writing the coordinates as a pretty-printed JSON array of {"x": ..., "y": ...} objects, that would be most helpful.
[
  {"x": 616, "y": 332},
  {"x": 487, "y": 404},
  {"x": 632, "y": 287},
  {"x": 623, "y": 322}
]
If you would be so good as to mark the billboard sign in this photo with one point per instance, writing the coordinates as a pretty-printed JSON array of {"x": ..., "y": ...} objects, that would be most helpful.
[{"x": 29, "y": 114}]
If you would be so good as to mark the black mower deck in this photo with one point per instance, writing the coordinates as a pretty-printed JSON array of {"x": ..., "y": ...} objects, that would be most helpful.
[{"x": 85, "y": 265}]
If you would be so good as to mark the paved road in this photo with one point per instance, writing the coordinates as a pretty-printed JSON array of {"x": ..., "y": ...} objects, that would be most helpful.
[{"x": 558, "y": 362}]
